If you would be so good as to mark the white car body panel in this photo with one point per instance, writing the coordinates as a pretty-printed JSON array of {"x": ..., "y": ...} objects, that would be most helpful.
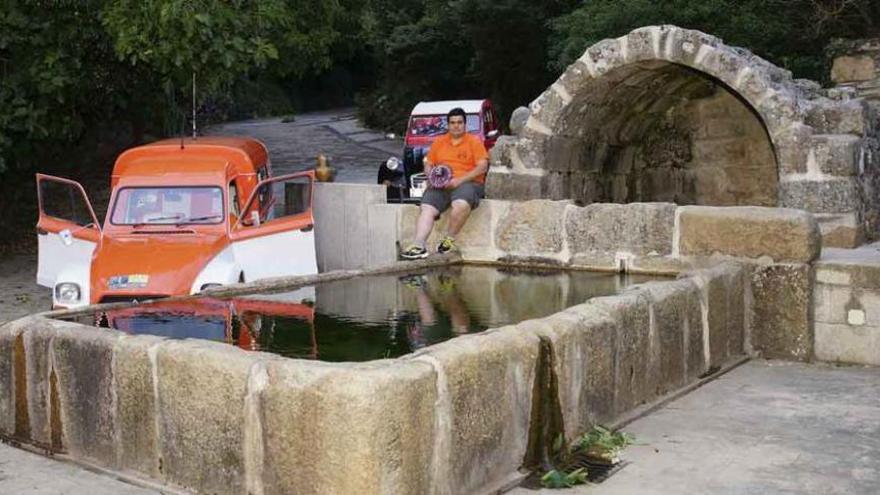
[{"x": 275, "y": 255}]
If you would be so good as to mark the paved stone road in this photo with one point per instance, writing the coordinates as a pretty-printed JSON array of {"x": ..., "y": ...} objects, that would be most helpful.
[{"x": 355, "y": 152}]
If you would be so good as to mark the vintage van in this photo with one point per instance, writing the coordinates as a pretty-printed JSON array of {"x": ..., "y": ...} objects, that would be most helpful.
[{"x": 183, "y": 215}]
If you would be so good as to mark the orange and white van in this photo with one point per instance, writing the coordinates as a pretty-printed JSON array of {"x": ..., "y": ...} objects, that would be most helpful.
[{"x": 183, "y": 215}]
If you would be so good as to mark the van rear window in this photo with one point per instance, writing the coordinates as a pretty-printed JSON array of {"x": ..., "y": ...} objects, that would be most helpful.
[
  {"x": 435, "y": 125},
  {"x": 168, "y": 206}
]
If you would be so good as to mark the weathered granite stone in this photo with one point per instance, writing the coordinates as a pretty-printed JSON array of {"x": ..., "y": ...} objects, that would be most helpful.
[
  {"x": 518, "y": 119},
  {"x": 547, "y": 107},
  {"x": 373, "y": 422},
  {"x": 830, "y": 196},
  {"x": 582, "y": 339},
  {"x": 858, "y": 269},
  {"x": 842, "y": 236},
  {"x": 723, "y": 299},
  {"x": 781, "y": 317},
  {"x": 202, "y": 387},
  {"x": 848, "y": 344},
  {"x": 748, "y": 232},
  {"x": 793, "y": 148},
  {"x": 488, "y": 424},
  {"x": 676, "y": 330},
  {"x": 635, "y": 375},
  {"x": 638, "y": 228},
  {"x": 532, "y": 228},
  {"x": 510, "y": 186},
  {"x": 841, "y": 117},
  {"x": 853, "y": 69},
  {"x": 83, "y": 366},
  {"x": 10, "y": 333},
  {"x": 499, "y": 155},
  {"x": 136, "y": 415},
  {"x": 836, "y": 154},
  {"x": 37, "y": 342}
]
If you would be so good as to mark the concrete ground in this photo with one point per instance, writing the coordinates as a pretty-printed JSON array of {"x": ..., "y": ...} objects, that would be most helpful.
[
  {"x": 767, "y": 427},
  {"x": 23, "y": 472}
]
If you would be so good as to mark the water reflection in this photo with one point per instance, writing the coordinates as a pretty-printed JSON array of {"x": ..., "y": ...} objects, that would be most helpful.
[{"x": 372, "y": 317}]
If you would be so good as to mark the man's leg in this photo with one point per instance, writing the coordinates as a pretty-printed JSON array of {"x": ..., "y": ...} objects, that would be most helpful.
[
  {"x": 425, "y": 223},
  {"x": 458, "y": 215}
]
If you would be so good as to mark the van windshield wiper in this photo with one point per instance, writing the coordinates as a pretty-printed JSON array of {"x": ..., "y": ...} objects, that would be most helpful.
[
  {"x": 197, "y": 219},
  {"x": 154, "y": 221}
]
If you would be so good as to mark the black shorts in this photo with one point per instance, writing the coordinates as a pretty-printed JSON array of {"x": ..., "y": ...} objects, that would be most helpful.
[{"x": 442, "y": 198}]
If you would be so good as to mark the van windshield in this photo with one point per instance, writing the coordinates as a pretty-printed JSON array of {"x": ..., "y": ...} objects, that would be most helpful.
[
  {"x": 168, "y": 205},
  {"x": 435, "y": 125}
]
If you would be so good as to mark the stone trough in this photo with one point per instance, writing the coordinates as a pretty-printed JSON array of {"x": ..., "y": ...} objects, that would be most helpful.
[{"x": 464, "y": 416}]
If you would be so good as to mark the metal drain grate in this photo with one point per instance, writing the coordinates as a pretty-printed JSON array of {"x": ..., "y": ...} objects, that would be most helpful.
[{"x": 597, "y": 472}]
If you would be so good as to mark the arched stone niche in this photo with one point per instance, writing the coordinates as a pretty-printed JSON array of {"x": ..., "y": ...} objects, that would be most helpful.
[{"x": 669, "y": 114}]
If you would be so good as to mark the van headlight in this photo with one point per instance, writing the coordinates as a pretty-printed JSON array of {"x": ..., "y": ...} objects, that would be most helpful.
[{"x": 67, "y": 292}]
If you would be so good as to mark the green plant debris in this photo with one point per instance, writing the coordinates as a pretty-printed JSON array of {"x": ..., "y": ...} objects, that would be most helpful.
[
  {"x": 600, "y": 445},
  {"x": 603, "y": 445},
  {"x": 560, "y": 479}
]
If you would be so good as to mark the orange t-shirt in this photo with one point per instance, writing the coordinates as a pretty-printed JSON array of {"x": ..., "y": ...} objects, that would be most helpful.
[{"x": 461, "y": 157}]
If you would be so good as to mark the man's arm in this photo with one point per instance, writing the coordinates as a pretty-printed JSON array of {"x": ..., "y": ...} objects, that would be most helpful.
[{"x": 481, "y": 168}]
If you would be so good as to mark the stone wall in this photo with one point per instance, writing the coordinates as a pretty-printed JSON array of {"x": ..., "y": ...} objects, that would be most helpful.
[
  {"x": 462, "y": 416},
  {"x": 847, "y": 306},
  {"x": 665, "y": 113}
]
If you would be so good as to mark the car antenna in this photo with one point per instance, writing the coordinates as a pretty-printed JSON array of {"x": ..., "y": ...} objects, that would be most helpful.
[{"x": 194, "y": 106}]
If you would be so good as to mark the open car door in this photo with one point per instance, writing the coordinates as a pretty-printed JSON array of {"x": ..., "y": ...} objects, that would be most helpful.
[
  {"x": 275, "y": 234},
  {"x": 67, "y": 234}
]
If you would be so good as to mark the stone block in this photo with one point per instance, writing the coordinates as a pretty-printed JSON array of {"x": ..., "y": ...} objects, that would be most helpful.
[
  {"x": 42, "y": 430},
  {"x": 781, "y": 317},
  {"x": 846, "y": 268},
  {"x": 575, "y": 78},
  {"x": 748, "y": 232},
  {"x": 635, "y": 375},
  {"x": 828, "y": 196},
  {"x": 853, "y": 69},
  {"x": 583, "y": 339},
  {"x": 382, "y": 234},
  {"x": 563, "y": 154},
  {"x": 836, "y": 154},
  {"x": 723, "y": 299},
  {"x": 604, "y": 56},
  {"x": 11, "y": 366},
  {"x": 499, "y": 155},
  {"x": 640, "y": 44},
  {"x": 513, "y": 186},
  {"x": 477, "y": 234},
  {"x": 485, "y": 406},
  {"x": 349, "y": 428},
  {"x": 638, "y": 228},
  {"x": 676, "y": 329},
  {"x": 682, "y": 45},
  {"x": 840, "y": 343},
  {"x": 531, "y": 148},
  {"x": 792, "y": 148},
  {"x": 201, "y": 391},
  {"x": 532, "y": 228},
  {"x": 547, "y": 107},
  {"x": 83, "y": 367},
  {"x": 136, "y": 414},
  {"x": 518, "y": 120},
  {"x": 840, "y": 117}
]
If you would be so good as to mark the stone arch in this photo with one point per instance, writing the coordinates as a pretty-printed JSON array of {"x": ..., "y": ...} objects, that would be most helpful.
[{"x": 793, "y": 146}]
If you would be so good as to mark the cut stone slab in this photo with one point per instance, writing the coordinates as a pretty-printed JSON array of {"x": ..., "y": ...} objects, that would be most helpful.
[
  {"x": 781, "y": 319},
  {"x": 782, "y": 235}
]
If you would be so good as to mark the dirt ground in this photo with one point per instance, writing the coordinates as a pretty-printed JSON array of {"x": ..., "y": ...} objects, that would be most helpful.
[{"x": 354, "y": 151}]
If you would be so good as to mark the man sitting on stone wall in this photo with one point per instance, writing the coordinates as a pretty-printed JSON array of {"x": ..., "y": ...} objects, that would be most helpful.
[{"x": 467, "y": 159}]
